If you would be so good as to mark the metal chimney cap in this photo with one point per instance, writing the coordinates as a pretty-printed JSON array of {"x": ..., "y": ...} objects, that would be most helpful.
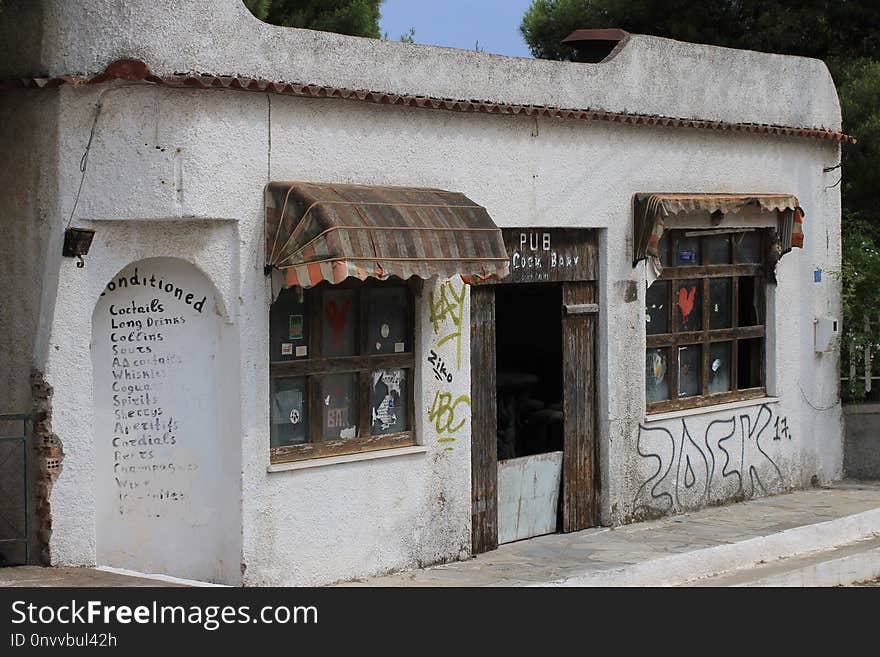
[
  {"x": 594, "y": 46},
  {"x": 600, "y": 34}
]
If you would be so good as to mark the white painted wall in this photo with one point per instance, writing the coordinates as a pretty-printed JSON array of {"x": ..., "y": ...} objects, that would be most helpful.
[
  {"x": 179, "y": 173},
  {"x": 167, "y": 460}
]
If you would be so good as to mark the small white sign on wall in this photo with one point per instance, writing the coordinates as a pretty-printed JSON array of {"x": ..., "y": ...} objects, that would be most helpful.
[{"x": 160, "y": 466}]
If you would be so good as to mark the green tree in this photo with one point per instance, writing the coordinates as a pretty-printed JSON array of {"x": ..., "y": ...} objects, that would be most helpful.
[
  {"x": 353, "y": 17},
  {"x": 858, "y": 85},
  {"x": 812, "y": 28},
  {"x": 259, "y": 8}
]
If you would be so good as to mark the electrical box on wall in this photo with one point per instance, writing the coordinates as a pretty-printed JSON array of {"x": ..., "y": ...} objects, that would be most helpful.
[{"x": 826, "y": 331}]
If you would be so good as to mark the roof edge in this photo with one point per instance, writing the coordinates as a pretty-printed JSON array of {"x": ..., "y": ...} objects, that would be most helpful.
[{"x": 135, "y": 70}]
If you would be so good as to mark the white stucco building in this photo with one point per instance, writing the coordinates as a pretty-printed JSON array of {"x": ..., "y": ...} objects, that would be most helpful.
[{"x": 191, "y": 418}]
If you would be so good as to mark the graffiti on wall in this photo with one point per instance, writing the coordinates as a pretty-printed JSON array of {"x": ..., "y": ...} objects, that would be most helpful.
[
  {"x": 727, "y": 459},
  {"x": 446, "y": 315},
  {"x": 448, "y": 413},
  {"x": 438, "y": 366}
]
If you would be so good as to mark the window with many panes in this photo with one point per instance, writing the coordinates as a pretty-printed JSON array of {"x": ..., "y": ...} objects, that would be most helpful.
[
  {"x": 341, "y": 369},
  {"x": 705, "y": 319}
]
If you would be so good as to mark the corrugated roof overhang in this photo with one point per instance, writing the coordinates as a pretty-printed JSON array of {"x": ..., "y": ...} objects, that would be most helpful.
[
  {"x": 653, "y": 212},
  {"x": 329, "y": 232}
]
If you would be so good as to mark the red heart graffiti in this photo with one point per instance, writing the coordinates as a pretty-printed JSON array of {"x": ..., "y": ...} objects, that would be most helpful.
[
  {"x": 686, "y": 302},
  {"x": 337, "y": 318}
]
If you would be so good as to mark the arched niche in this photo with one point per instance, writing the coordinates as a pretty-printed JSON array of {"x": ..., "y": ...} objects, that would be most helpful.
[{"x": 167, "y": 453}]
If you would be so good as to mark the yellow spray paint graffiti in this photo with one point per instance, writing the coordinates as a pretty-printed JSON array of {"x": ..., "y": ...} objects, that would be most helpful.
[
  {"x": 447, "y": 308},
  {"x": 443, "y": 415},
  {"x": 447, "y": 414}
]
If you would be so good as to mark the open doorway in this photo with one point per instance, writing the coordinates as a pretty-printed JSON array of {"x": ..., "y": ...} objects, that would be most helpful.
[
  {"x": 529, "y": 369},
  {"x": 531, "y": 418},
  {"x": 533, "y": 390}
]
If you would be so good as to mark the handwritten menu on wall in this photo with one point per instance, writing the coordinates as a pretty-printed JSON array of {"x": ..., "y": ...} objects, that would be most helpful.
[{"x": 155, "y": 338}]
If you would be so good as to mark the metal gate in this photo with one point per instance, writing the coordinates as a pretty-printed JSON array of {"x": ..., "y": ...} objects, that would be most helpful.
[{"x": 14, "y": 529}]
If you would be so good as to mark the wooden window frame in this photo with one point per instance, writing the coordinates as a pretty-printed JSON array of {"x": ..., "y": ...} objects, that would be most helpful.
[
  {"x": 314, "y": 368},
  {"x": 671, "y": 341}
]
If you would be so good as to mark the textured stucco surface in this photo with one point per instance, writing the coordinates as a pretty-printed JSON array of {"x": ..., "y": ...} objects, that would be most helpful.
[
  {"x": 648, "y": 75},
  {"x": 179, "y": 173}
]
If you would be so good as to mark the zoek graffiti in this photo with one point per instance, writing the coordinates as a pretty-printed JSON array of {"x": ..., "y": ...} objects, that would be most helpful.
[
  {"x": 727, "y": 460},
  {"x": 448, "y": 414}
]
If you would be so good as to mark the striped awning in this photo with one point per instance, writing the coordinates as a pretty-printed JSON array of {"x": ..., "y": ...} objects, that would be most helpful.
[
  {"x": 328, "y": 232},
  {"x": 651, "y": 213}
]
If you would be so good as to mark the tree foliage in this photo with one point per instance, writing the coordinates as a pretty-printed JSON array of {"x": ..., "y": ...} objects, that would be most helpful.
[
  {"x": 812, "y": 28},
  {"x": 858, "y": 85},
  {"x": 353, "y": 17}
]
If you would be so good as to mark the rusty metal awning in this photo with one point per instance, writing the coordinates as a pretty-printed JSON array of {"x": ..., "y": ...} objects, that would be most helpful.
[
  {"x": 328, "y": 232},
  {"x": 652, "y": 213}
]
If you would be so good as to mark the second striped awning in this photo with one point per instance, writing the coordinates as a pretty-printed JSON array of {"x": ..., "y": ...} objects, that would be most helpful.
[{"x": 328, "y": 232}]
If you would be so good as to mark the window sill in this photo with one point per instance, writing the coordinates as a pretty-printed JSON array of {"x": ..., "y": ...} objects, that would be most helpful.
[
  {"x": 718, "y": 408},
  {"x": 347, "y": 458}
]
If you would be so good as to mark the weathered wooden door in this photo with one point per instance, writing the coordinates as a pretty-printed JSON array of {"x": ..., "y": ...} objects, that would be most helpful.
[
  {"x": 484, "y": 420},
  {"x": 579, "y": 468}
]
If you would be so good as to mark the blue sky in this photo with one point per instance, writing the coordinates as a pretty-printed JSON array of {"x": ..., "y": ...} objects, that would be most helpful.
[{"x": 459, "y": 23}]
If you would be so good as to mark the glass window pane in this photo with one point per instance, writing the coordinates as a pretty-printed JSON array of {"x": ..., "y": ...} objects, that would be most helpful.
[
  {"x": 688, "y": 301},
  {"x": 656, "y": 382},
  {"x": 657, "y": 308},
  {"x": 387, "y": 312},
  {"x": 388, "y": 397},
  {"x": 688, "y": 252},
  {"x": 719, "y": 249},
  {"x": 748, "y": 246},
  {"x": 290, "y": 421},
  {"x": 339, "y": 406},
  {"x": 719, "y": 367},
  {"x": 720, "y": 298},
  {"x": 750, "y": 355},
  {"x": 288, "y": 328},
  {"x": 338, "y": 319},
  {"x": 690, "y": 371},
  {"x": 751, "y": 301}
]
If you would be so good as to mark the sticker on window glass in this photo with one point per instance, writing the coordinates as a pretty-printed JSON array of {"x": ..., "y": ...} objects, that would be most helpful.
[
  {"x": 302, "y": 351},
  {"x": 287, "y": 349},
  {"x": 387, "y": 407},
  {"x": 295, "y": 416},
  {"x": 296, "y": 327},
  {"x": 687, "y": 256},
  {"x": 399, "y": 347},
  {"x": 659, "y": 364}
]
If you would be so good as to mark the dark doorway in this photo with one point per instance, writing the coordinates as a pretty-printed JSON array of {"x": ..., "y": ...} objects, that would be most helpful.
[{"x": 529, "y": 369}]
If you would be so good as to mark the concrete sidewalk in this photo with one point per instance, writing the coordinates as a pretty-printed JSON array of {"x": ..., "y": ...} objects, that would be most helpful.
[
  {"x": 35, "y": 576},
  {"x": 816, "y": 537}
]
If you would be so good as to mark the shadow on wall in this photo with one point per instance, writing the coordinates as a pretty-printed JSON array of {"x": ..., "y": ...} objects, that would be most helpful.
[{"x": 697, "y": 464}]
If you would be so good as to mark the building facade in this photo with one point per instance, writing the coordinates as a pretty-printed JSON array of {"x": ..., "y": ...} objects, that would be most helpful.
[{"x": 292, "y": 358}]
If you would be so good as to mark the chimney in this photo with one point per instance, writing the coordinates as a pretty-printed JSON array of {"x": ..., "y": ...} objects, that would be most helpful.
[{"x": 593, "y": 46}]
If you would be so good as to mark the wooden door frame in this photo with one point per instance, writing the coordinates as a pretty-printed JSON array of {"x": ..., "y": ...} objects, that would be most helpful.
[
  {"x": 580, "y": 480},
  {"x": 580, "y": 492},
  {"x": 484, "y": 422}
]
